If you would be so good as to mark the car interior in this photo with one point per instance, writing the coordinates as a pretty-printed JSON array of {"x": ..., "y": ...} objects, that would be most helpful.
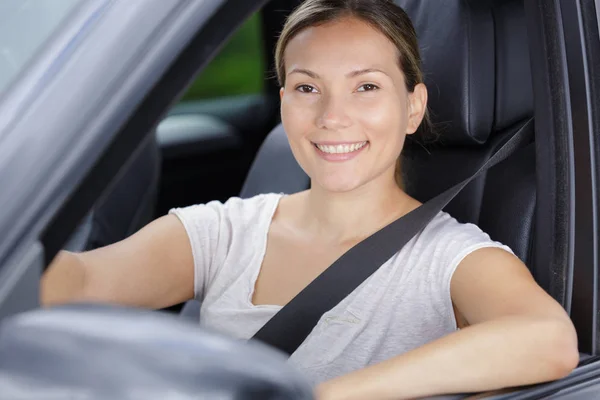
[{"x": 478, "y": 69}]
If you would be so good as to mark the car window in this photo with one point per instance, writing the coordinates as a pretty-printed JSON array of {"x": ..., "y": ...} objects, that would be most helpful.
[
  {"x": 237, "y": 70},
  {"x": 24, "y": 27}
]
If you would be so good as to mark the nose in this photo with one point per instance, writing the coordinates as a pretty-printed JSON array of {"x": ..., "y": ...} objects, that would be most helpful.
[{"x": 333, "y": 113}]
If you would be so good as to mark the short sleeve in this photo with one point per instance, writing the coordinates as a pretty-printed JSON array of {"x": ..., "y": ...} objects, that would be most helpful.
[
  {"x": 451, "y": 242},
  {"x": 223, "y": 236},
  {"x": 202, "y": 223}
]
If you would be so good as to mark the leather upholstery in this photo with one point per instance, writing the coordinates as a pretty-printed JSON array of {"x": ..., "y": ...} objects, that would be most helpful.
[
  {"x": 514, "y": 94},
  {"x": 430, "y": 172},
  {"x": 457, "y": 48},
  {"x": 275, "y": 168},
  {"x": 508, "y": 203}
]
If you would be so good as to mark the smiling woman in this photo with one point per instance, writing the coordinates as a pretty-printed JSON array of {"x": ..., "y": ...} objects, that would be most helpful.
[{"x": 351, "y": 91}]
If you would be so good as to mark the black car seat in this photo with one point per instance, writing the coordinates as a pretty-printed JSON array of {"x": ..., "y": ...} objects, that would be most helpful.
[
  {"x": 476, "y": 62},
  {"x": 127, "y": 204}
]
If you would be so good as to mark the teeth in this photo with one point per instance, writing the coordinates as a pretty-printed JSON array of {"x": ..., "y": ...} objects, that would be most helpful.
[{"x": 341, "y": 148}]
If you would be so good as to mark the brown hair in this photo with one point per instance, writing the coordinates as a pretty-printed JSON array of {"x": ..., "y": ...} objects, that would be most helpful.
[{"x": 383, "y": 15}]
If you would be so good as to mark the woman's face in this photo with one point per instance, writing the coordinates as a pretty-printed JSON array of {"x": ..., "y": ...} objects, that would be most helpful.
[{"x": 345, "y": 106}]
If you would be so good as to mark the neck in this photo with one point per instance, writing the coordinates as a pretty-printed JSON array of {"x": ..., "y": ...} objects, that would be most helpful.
[{"x": 352, "y": 216}]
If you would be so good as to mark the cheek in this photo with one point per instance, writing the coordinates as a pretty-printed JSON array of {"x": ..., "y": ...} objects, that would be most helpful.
[
  {"x": 296, "y": 124},
  {"x": 297, "y": 116},
  {"x": 382, "y": 119}
]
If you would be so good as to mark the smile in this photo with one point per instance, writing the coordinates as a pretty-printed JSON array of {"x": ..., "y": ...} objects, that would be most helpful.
[
  {"x": 341, "y": 148},
  {"x": 340, "y": 152}
]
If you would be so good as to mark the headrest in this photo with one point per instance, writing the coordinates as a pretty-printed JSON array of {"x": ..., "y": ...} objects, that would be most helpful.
[{"x": 458, "y": 50}]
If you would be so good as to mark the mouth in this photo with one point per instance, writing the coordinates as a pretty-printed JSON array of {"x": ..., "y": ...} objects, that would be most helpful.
[
  {"x": 340, "y": 152},
  {"x": 342, "y": 148}
]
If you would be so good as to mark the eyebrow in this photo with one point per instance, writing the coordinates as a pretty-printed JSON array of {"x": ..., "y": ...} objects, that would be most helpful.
[
  {"x": 351, "y": 74},
  {"x": 305, "y": 72},
  {"x": 364, "y": 71}
]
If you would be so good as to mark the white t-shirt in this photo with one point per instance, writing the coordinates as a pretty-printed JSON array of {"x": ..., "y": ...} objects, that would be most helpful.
[{"x": 403, "y": 305}]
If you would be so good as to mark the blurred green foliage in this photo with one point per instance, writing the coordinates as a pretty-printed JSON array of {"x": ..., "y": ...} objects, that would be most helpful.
[{"x": 237, "y": 69}]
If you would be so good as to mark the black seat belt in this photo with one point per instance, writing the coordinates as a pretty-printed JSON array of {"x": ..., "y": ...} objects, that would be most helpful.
[{"x": 294, "y": 322}]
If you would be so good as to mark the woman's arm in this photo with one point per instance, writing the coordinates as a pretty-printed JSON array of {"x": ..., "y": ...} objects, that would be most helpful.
[
  {"x": 518, "y": 335},
  {"x": 153, "y": 268}
]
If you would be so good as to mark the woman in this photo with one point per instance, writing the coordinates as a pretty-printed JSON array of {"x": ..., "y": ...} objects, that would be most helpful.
[{"x": 351, "y": 90}]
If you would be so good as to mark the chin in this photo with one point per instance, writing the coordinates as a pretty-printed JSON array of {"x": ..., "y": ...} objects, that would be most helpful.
[{"x": 338, "y": 185}]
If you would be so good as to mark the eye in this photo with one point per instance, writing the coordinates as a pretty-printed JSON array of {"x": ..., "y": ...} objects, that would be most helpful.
[
  {"x": 368, "y": 87},
  {"x": 306, "y": 89}
]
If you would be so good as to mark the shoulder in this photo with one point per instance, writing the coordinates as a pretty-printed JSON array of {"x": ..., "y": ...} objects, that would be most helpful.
[
  {"x": 235, "y": 209},
  {"x": 217, "y": 229},
  {"x": 440, "y": 249},
  {"x": 445, "y": 233},
  {"x": 445, "y": 242}
]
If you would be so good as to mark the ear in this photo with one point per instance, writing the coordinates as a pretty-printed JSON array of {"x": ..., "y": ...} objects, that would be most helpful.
[
  {"x": 417, "y": 105},
  {"x": 281, "y": 94}
]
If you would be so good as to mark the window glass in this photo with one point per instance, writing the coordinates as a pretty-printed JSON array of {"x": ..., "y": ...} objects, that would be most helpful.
[{"x": 238, "y": 69}]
